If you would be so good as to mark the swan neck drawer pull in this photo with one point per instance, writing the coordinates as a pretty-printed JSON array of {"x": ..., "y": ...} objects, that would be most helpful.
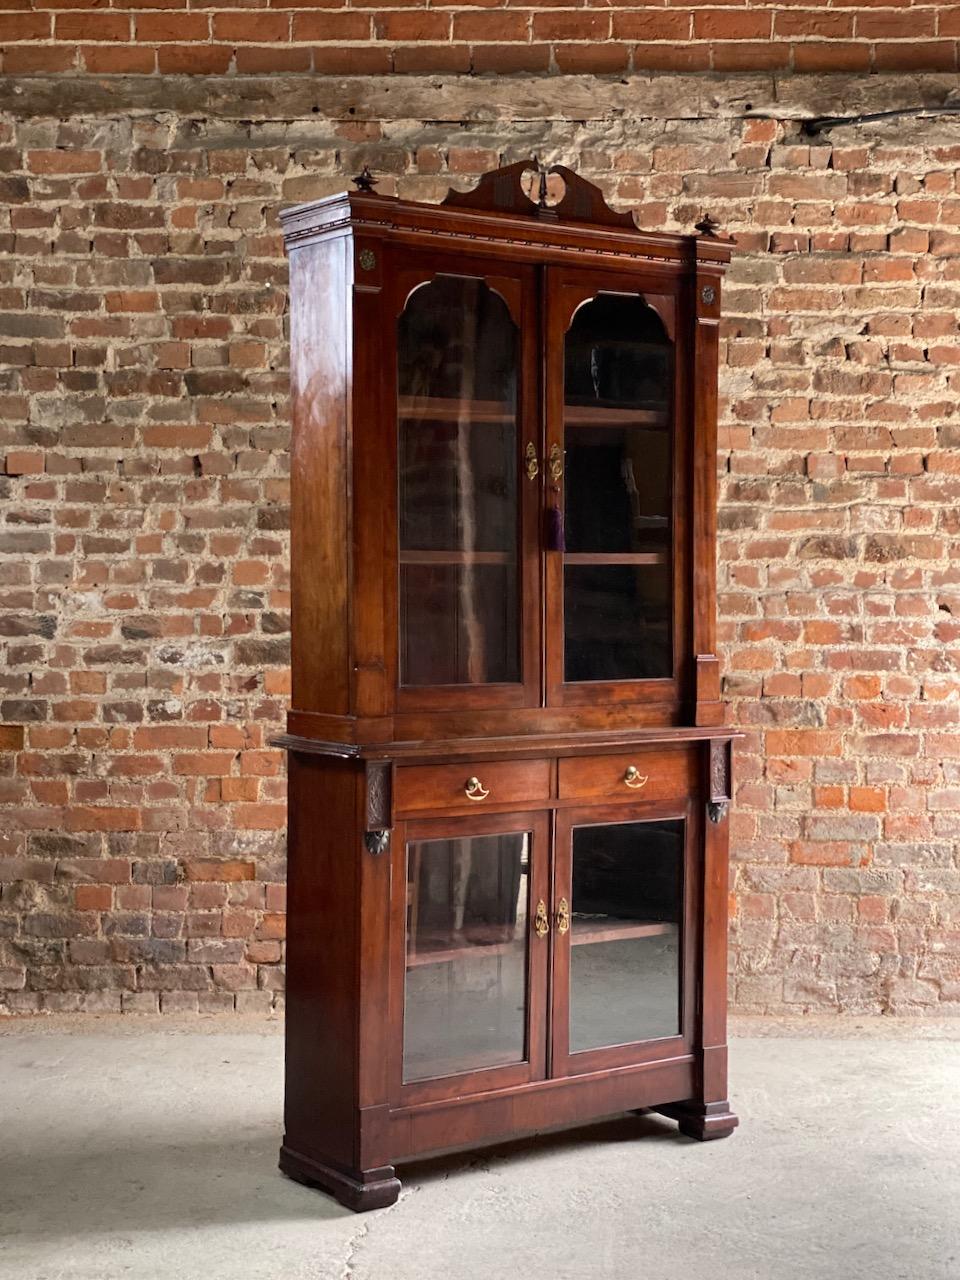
[
  {"x": 634, "y": 778},
  {"x": 540, "y": 921},
  {"x": 474, "y": 790}
]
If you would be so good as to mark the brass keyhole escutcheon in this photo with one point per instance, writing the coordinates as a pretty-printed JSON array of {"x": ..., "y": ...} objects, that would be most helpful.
[
  {"x": 556, "y": 463},
  {"x": 475, "y": 790},
  {"x": 634, "y": 778},
  {"x": 531, "y": 461},
  {"x": 540, "y": 921},
  {"x": 563, "y": 916}
]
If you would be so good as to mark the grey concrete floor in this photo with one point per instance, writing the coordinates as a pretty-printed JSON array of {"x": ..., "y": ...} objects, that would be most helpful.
[{"x": 142, "y": 1151}]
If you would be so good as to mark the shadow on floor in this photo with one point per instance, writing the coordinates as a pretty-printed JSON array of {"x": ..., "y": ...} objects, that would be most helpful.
[
  {"x": 158, "y": 1180},
  {"x": 647, "y": 1127},
  {"x": 170, "y": 1179}
]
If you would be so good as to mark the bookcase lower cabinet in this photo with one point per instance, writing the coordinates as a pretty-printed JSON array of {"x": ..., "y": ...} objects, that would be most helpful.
[{"x": 487, "y": 947}]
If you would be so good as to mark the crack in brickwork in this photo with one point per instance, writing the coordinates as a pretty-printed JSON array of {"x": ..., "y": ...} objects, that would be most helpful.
[{"x": 143, "y": 552}]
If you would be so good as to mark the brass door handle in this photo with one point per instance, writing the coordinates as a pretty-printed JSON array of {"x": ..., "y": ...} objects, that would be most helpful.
[
  {"x": 474, "y": 789},
  {"x": 563, "y": 916},
  {"x": 531, "y": 461},
  {"x": 540, "y": 921},
  {"x": 556, "y": 462},
  {"x": 633, "y": 777}
]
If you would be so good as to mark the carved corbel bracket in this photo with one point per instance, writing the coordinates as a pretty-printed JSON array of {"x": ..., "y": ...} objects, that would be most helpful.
[
  {"x": 721, "y": 779},
  {"x": 379, "y": 806}
]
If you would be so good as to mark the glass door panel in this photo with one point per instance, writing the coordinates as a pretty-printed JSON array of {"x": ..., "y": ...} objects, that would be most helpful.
[
  {"x": 625, "y": 925},
  {"x": 622, "y": 945},
  {"x": 616, "y": 622},
  {"x": 471, "y": 981},
  {"x": 458, "y": 351},
  {"x": 617, "y": 424},
  {"x": 612, "y": 491}
]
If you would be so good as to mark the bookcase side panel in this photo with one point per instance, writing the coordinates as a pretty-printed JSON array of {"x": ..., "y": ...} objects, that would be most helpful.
[
  {"x": 323, "y": 880},
  {"x": 320, "y": 373}
]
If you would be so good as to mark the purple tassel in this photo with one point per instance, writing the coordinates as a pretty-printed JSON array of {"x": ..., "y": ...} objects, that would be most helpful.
[{"x": 554, "y": 538}]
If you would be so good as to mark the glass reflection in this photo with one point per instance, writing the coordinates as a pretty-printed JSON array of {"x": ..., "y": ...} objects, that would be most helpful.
[
  {"x": 466, "y": 954},
  {"x": 625, "y": 933}
]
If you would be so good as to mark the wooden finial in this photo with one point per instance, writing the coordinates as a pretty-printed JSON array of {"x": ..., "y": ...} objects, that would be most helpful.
[
  {"x": 365, "y": 181},
  {"x": 542, "y": 194},
  {"x": 708, "y": 226}
]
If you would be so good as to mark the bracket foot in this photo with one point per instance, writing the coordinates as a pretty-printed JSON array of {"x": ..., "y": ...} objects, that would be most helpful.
[
  {"x": 367, "y": 1189},
  {"x": 702, "y": 1120}
]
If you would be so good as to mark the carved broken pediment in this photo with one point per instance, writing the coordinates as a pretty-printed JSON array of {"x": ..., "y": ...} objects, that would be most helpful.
[
  {"x": 583, "y": 202},
  {"x": 501, "y": 191}
]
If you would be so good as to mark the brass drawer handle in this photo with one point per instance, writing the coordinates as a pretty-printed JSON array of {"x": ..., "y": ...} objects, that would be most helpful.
[
  {"x": 563, "y": 916},
  {"x": 634, "y": 778},
  {"x": 532, "y": 461},
  {"x": 474, "y": 789},
  {"x": 540, "y": 921}
]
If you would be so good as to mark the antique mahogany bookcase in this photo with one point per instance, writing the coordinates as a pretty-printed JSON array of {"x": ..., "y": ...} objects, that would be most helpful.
[{"x": 509, "y": 777}]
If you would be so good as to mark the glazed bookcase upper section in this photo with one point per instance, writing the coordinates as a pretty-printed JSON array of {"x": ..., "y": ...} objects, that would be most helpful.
[{"x": 503, "y": 466}]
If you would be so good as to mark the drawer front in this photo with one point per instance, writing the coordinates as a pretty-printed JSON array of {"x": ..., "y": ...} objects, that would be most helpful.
[
  {"x": 641, "y": 775},
  {"x": 418, "y": 788}
]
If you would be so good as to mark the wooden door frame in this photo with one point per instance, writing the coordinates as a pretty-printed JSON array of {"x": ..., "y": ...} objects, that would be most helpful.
[
  {"x": 482, "y": 1079},
  {"x": 516, "y": 284},
  {"x": 561, "y": 1061},
  {"x": 566, "y": 289}
]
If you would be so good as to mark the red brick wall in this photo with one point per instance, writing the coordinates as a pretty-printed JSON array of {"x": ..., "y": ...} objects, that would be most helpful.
[
  {"x": 216, "y": 37},
  {"x": 143, "y": 558}
]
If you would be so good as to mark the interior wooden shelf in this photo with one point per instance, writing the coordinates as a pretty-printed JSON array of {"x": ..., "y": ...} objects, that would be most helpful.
[
  {"x": 435, "y": 409},
  {"x": 589, "y": 415},
  {"x": 615, "y": 557},
  {"x": 586, "y": 929},
  {"x": 442, "y": 954},
  {"x": 456, "y": 557},
  {"x": 583, "y": 931},
  {"x": 507, "y": 557}
]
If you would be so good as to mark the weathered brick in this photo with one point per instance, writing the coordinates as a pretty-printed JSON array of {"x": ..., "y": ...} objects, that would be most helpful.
[
  {"x": 90, "y": 818},
  {"x": 143, "y": 553},
  {"x": 227, "y": 870},
  {"x": 24, "y": 462}
]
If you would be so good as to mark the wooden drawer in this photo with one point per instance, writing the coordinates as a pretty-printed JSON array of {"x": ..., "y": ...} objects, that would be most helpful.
[
  {"x": 418, "y": 788},
  {"x": 641, "y": 775}
]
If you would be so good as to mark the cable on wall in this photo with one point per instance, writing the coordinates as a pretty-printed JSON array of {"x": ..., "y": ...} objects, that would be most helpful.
[{"x": 819, "y": 124}]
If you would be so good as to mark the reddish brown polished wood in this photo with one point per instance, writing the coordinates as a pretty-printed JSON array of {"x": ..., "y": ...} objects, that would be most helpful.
[
  {"x": 396, "y": 787},
  {"x": 452, "y": 786},
  {"x": 644, "y": 774}
]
